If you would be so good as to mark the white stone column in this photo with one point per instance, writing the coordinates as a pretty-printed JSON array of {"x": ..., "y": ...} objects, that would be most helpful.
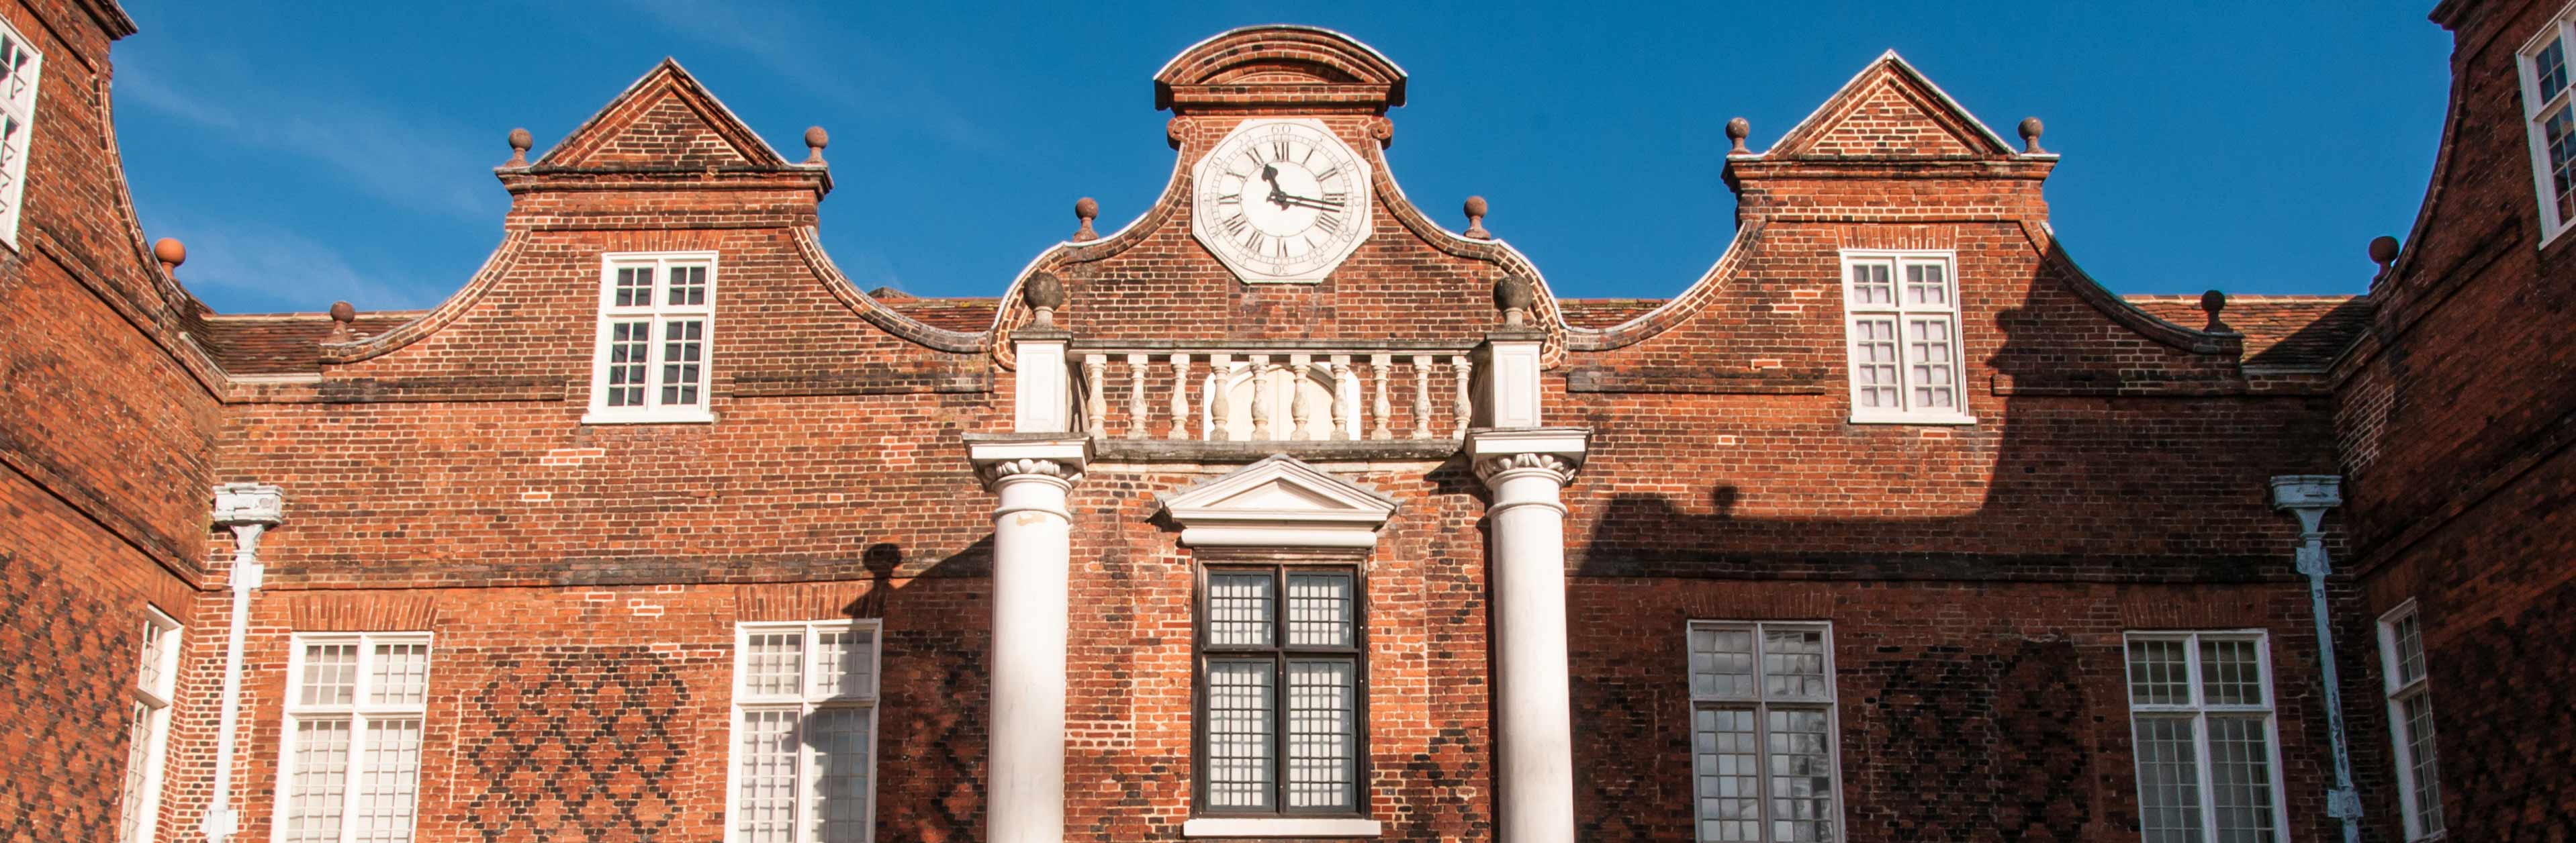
[
  {"x": 1533, "y": 705},
  {"x": 1032, "y": 553}
]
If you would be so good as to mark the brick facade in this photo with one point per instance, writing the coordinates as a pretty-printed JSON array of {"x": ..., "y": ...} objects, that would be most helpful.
[{"x": 583, "y": 582}]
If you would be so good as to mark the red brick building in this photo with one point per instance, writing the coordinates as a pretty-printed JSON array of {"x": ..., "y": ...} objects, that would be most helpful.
[{"x": 1283, "y": 510}]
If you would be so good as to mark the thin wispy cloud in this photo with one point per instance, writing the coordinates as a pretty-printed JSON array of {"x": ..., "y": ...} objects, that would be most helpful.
[
  {"x": 790, "y": 53},
  {"x": 392, "y": 157},
  {"x": 282, "y": 270}
]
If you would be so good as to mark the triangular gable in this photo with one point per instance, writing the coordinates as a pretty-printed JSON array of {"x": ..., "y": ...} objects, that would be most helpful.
[
  {"x": 1890, "y": 110},
  {"x": 1279, "y": 502},
  {"x": 665, "y": 119}
]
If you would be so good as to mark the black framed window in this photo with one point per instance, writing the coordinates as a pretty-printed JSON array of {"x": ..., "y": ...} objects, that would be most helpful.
[{"x": 1282, "y": 679}]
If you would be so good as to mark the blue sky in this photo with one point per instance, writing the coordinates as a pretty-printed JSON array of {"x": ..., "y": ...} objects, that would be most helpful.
[{"x": 304, "y": 157}]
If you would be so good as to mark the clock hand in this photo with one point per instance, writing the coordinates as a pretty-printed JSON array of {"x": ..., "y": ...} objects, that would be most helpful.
[{"x": 1317, "y": 204}]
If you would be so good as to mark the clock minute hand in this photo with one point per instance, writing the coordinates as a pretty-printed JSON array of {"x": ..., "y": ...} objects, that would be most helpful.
[{"x": 1317, "y": 204}]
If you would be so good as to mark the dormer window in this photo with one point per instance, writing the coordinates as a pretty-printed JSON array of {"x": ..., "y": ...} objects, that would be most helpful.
[
  {"x": 2550, "y": 119},
  {"x": 1901, "y": 323},
  {"x": 656, "y": 314},
  {"x": 19, "y": 63}
]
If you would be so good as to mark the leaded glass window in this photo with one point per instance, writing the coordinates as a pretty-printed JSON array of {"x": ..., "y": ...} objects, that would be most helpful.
[
  {"x": 1902, "y": 328},
  {"x": 2207, "y": 749},
  {"x": 355, "y": 707},
  {"x": 1282, "y": 690},
  {"x": 657, "y": 312},
  {"x": 1764, "y": 736},
  {"x": 804, "y": 732}
]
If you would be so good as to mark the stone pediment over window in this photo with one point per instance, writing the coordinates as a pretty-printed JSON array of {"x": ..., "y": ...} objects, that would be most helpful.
[{"x": 1278, "y": 502}]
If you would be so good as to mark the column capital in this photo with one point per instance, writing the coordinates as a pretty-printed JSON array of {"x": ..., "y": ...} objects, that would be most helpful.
[
  {"x": 1496, "y": 452},
  {"x": 1002, "y": 456}
]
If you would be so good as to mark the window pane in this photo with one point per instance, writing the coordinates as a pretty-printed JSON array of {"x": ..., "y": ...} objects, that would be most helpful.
[
  {"x": 2159, "y": 672},
  {"x": 1928, "y": 350},
  {"x": 1321, "y": 610},
  {"x": 1239, "y": 731},
  {"x": 138, "y": 754},
  {"x": 2240, "y": 778},
  {"x": 1874, "y": 363},
  {"x": 773, "y": 663},
  {"x": 839, "y": 813},
  {"x": 683, "y": 345},
  {"x": 1793, "y": 664},
  {"x": 688, "y": 285},
  {"x": 1323, "y": 734},
  {"x": 1726, "y": 756},
  {"x": 1927, "y": 285},
  {"x": 765, "y": 799},
  {"x": 156, "y": 642},
  {"x": 634, "y": 286},
  {"x": 1239, "y": 609},
  {"x": 844, "y": 666},
  {"x": 330, "y": 674},
  {"x": 400, "y": 675},
  {"x": 2418, "y": 711},
  {"x": 317, "y": 779},
  {"x": 1871, "y": 285},
  {"x": 1802, "y": 776},
  {"x": 2231, "y": 672},
  {"x": 2550, "y": 67},
  {"x": 2168, "y": 774},
  {"x": 388, "y": 776},
  {"x": 2409, "y": 635},
  {"x": 627, "y": 350},
  {"x": 1722, "y": 662},
  {"x": 2558, "y": 129}
]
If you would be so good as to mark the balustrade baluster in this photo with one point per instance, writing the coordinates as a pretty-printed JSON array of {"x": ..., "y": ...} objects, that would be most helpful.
[
  {"x": 1263, "y": 429},
  {"x": 1344, "y": 423},
  {"x": 1299, "y": 406},
  {"x": 1136, "y": 417},
  {"x": 1095, "y": 404},
  {"x": 1466, "y": 413},
  {"x": 1220, "y": 411},
  {"x": 1180, "y": 396},
  {"x": 1379, "y": 364},
  {"x": 1421, "y": 396}
]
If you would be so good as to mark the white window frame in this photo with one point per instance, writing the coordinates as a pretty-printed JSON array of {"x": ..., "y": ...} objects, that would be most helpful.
[
  {"x": 156, "y": 685},
  {"x": 18, "y": 105},
  {"x": 359, "y": 712},
  {"x": 656, "y": 315},
  {"x": 2199, "y": 710},
  {"x": 2535, "y": 107},
  {"x": 2410, "y": 792},
  {"x": 806, "y": 702},
  {"x": 1762, "y": 705},
  {"x": 1896, "y": 308}
]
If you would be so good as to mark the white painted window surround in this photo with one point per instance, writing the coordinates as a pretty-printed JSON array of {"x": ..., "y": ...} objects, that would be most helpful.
[
  {"x": 20, "y": 66},
  {"x": 804, "y": 733},
  {"x": 656, "y": 338},
  {"x": 2410, "y": 721},
  {"x": 1299, "y": 827},
  {"x": 2208, "y": 750},
  {"x": 148, "y": 733},
  {"x": 1766, "y": 761},
  {"x": 1901, "y": 333},
  {"x": 356, "y": 705},
  {"x": 2549, "y": 120}
]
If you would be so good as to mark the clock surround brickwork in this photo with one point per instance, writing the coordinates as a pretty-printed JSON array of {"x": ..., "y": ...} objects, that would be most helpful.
[{"x": 2114, "y": 482}]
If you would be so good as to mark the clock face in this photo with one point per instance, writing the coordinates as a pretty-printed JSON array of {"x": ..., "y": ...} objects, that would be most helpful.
[{"x": 1281, "y": 201}]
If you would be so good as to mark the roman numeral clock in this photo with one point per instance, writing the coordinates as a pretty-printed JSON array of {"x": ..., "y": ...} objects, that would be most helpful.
[{"x": 1281, "y": 201}]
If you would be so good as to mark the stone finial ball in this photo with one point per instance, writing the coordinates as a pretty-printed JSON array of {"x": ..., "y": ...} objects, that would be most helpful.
[
  {"x": 170, "y": 251},
  {"x": 1086, "y": 208},
  {"x": 1513, "y": 292},
  {"x": 1738, "y": 128},
  {"x": 816, "y": 138},
  {"x": 2031, "y": 127},
  {"x": 1475, "y": 206},
  {"x": 2213, "y": 301},
  {"x": 520, "y": 140},
  {"x": 1044, "y": 290},
  {"x": 2383, "y": 249},
  {"x": 342, "y": 311}
]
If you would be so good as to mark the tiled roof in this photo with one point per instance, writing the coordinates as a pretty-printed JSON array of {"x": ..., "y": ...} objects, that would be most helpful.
[
  {"x": 283, "y": 343},
  {"x": 2280, "y": 331},
  {"x": 1603, "y": 313},
  {"x": 962, "y": 314}
]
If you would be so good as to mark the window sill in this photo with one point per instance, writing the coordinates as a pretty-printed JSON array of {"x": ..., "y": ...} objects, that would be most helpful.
[
  {"x": 1925, "y": 418},
  {"x": 605, "y": 417},
  {"x": 1279, "y": 827}
]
